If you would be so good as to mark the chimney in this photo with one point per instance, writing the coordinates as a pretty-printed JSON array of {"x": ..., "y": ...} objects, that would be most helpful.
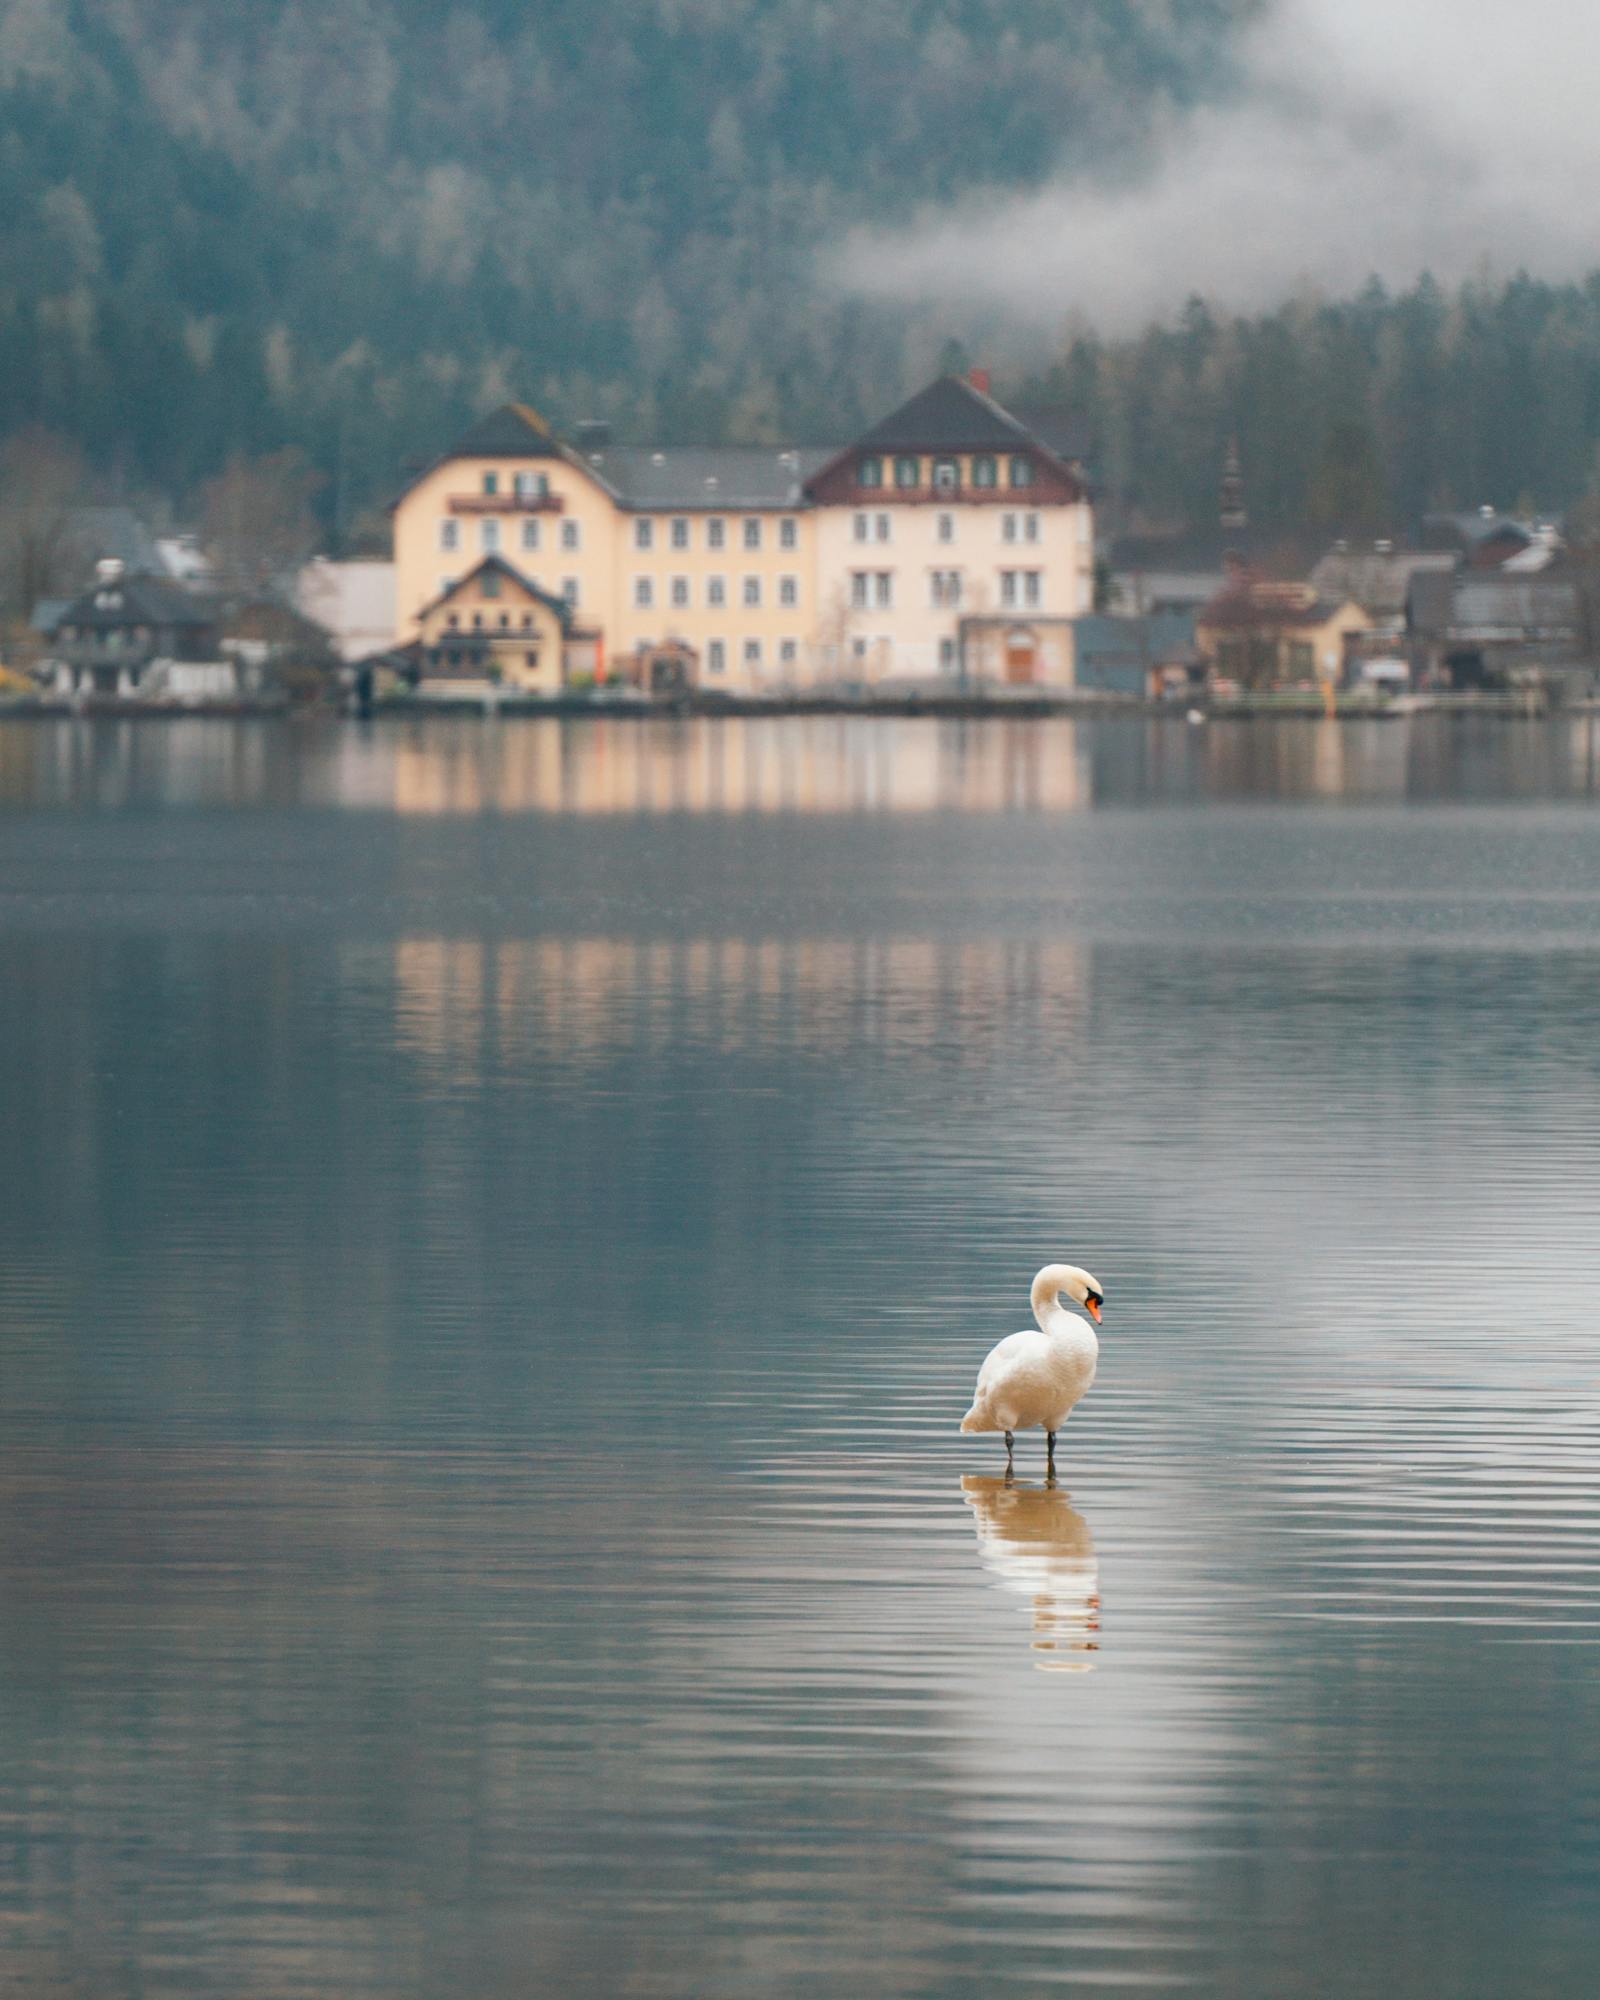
[
  {"x": 979, "y": 378},
  {"x": 592, "y": 434},
  {"x": 108, "y": 569}
]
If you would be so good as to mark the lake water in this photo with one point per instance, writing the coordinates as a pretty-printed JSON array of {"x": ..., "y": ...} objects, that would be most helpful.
[{"x": 499, "y": 1225}]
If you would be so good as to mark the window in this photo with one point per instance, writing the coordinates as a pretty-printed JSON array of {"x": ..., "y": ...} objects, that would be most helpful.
[
  {"x": 490, "y": 584},
  {"x": 788, "y": 534},
  {"x": 752, "y": 591},
  {"x": 883, "y": 589},
  {"x": 477, "y": 621},
  {"x": 859, "y": 648},
  {"x": 530, "y": 534},
  {"x": 1021, "y": 471},
  {"x": 505, "y": 621},
  {"x": 863, "y": 525},
  {"x": 869, "y": 472},
  {"x": 788, "y": 592},
  {"x": 452, "y": 621},
  {"x": 945, "y": 589},
  {"x": 946, "y": 474},
  {"x": 716, "y": 533},
  {"x": 716, "y": 592},
  {"x": 569, "y": 590},
  {"x": 449, "y": 536},
  {"x": 752, "y": 534},
  {"x": 644, "y": 534},
  {"x": 444, "y": 585},
  {"x": 680, "y": 593},
  {"x": 531, "y": 485},
  {"x": 1030, "y": 527},
  {"x": 883, "y": 527},
  {"x": 860, "y": 589},
  {"x": 527, "y": 621},
  {"x": 570, "y": 537},
  {"x": 1008, "y": 527},
  {"x": 907, "y": 472},
  {"x": 947, "y": 655},
  {"x": 716, "y": 657},
  {"x": 1032, "y": 580},
  {"x": 490, "y": 533},
  {"x": 644, "y": 593},
  {"x": 752, "y": 652},
  {"x": 1008, "y": 586},
  {"x": 985, "y": 472},
  {"x": 491, "y": 483},
  {"x": 947, "y": 527},
  {"x": 530, "y": 660},
  {"x": 789, "y": 652}
]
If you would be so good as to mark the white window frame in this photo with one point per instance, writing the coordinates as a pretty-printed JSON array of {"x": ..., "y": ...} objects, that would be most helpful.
[
  {"x": 530, "y": 533},
  {"x": 449, "y": 535},
  {"x": 489, "y": 537},
  {"x": 788, "y": 592},
  {"x": 717, "y": 656},
  {"x": 1032, "y": 589},
  {"x": 680, "y": 593},
  {"x": 716, "y": 532},
  {"x": 1030, "y": 527},
  {"x": 716, "y": 593},
  {"x": 750, "y": 594},
  {"x": 860, "y": 589},
  {"x": 680, "y": 531},
  {"x": 752, "y": 531},
  {"x": 1008, "y": 527},
  {"x": 884, "y": 529},
  {"x": 947, "y": 527},
  {"x": 788, "y": 652},
  {"x": 571, "y": 535},
  {"x": 883, "y": 589},
  {"x": 644, "y": 593},
  {"x": 644, "y": 534},
  {"x": 752, "y": 654},
  {"x": 569, "y": 591},
  {"x": 788, "y": 532},
  {"x": 863, "y": 527}
]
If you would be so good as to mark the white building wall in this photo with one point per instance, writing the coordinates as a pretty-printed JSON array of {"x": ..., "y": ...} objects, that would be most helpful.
[{"x": 1047, "y": 551}]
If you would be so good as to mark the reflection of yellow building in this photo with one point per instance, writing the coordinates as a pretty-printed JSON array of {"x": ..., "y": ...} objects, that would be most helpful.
[
  {"x": 750, "y": 567},
  {"x": 1036, "y": 1543}
]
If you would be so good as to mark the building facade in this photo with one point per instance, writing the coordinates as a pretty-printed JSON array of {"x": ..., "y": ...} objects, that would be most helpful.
[{"x": 751, "y": 568}]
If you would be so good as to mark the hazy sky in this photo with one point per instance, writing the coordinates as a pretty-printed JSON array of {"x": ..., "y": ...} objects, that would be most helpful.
[{"x": 1374, "y": 135}]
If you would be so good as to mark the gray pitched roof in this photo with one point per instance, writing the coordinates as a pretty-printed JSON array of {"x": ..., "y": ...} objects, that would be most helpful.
[
  {"x": 678, "y": 478},
  {"x": 138, "y": 600},
  {"x": 512, "y": 431}
]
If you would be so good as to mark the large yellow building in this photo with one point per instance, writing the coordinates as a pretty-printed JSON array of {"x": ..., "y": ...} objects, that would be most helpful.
[{"x": 750, "y": 568}]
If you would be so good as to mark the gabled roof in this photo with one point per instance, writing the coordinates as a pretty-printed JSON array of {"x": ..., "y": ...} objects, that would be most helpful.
[
  {"x": 512, "y": 431},
  {"x": 139, "y": 600},
  {"x": 678, "y": 478},
  {"x": 949, "y": 415},
  {"x": 558, "y": 605}
]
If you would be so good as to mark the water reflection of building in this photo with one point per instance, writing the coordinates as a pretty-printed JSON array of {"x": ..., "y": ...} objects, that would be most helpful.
[
  {"x": 525, "y": 999},
  {"x": 1037, "y": 1545},
  {"x": 737, "y": 765}
]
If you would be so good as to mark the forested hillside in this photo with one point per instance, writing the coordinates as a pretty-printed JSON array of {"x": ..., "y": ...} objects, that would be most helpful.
[{"x": 349, "y": 224}]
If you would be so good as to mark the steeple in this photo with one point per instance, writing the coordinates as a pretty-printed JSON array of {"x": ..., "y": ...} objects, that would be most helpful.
[{"x": 1230, "y": 494}]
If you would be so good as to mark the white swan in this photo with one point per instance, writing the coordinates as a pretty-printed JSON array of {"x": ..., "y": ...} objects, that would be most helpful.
[{"x": 1036, "y": 1378}]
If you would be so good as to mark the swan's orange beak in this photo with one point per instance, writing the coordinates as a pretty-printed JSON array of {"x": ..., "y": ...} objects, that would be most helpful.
[{"x": 1092, "y": 1307}]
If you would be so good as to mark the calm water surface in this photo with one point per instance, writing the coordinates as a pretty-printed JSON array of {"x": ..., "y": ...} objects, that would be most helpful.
[{"x": 499, "y": 1225}]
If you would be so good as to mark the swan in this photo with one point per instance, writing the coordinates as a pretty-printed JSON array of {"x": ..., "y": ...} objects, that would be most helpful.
[{"x": 1036, "y": 1378}]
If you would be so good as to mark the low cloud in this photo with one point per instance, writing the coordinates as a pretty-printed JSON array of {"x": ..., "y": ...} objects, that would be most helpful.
[{"x": 1387, "y": 136}]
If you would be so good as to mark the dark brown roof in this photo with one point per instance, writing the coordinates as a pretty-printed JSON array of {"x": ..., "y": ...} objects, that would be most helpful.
[
  {"x": 949, "y": 415},
  {"x": 559, "y": 605}
]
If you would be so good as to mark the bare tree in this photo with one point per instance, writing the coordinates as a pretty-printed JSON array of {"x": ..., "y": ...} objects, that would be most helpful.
[
  {"x": 256, "y": 521},
  {"x": 42, "y": 480}
]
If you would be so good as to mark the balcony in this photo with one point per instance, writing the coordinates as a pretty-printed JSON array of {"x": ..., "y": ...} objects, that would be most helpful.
[{"x": 506, "y": 503}]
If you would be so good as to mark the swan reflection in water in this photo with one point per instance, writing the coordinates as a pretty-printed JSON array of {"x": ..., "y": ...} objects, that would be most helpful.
[{"x": 1037, "y": 1544}]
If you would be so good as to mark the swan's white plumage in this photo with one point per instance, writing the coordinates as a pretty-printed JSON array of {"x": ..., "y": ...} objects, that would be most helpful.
[{"x": 1037, "y": 1377}]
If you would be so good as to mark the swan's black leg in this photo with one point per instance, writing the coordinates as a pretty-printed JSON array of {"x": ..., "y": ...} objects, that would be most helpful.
[
  {"x": 1050, "y": 1451},
  {"x": 1009, "y": 1442}
]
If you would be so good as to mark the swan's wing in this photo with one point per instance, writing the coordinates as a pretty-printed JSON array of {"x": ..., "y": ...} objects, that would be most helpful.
[{"x": 1005, "y": 1354}]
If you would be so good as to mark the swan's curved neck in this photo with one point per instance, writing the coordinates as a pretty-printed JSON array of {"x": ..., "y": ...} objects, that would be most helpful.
[{"x": 1051, "y": 1314}]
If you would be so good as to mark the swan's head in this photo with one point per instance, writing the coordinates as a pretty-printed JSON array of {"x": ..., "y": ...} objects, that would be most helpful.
[{"x": 1056, "y": 1281}]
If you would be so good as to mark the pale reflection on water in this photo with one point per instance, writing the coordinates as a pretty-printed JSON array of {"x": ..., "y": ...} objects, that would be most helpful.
[
  {"x": 490, "y": 1274},
  {"x": 1037, "y": 1544}
]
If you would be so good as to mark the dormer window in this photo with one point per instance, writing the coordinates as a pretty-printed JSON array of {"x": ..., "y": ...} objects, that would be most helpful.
[
  {"x": 946, "y": 475},
  {"x": 984, "y": 471},
  {"x": 491, "y": 483},
  {"x": 907, "y": 472},
  {"x": 870, "y": 472},
  {"x": 490, "y": 584},
  {"x": 1021, "y": 471},
  {"x": 531, "y": 485}
]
